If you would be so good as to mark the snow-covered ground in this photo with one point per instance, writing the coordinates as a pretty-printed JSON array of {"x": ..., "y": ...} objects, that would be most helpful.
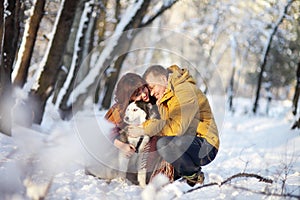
[{"x": 55, "y": 153}]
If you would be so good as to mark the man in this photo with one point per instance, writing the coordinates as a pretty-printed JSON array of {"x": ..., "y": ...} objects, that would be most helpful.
[{"x": 187, "y": 126}]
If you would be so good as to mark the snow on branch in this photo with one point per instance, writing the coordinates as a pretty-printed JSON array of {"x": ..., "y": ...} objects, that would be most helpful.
[
  {"x": 36, "y": 77},
  {"x": 166, "y": 5},
  {"x": 22, "y": 46}
]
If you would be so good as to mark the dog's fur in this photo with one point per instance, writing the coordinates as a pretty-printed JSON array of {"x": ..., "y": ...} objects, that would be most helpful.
[{"x": 136, "y": 113}]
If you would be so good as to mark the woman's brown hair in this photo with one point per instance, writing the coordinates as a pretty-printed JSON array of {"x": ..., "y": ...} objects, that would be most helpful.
[{"x": 126, "y": 87}]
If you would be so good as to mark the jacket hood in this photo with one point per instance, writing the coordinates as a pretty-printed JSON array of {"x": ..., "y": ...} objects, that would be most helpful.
[
  {"x": 176, "y": 77},
  {"x": 179, "y": 76}
]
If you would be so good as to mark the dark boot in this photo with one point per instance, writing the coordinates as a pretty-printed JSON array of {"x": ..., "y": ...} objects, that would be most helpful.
[{"x": 196, "y": 178}]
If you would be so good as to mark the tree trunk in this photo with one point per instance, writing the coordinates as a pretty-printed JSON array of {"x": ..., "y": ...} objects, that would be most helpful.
[
  {"x": 101, "y": 27},
  {"x": 2, "y": 28},
  {"x": 53, "y": 59},
  {"x": 231, "y": 82},
  {"x": 5, "y": 122},
  {"x": 86, "y": 44},
  {"x": 20, "y": 72},
  {"x": 69, "y": 52},
  {"x": 231, "y": 91},
  {"x": 296, "y": 124},
  {"x": 72, "y": 75},
  {"x": 297, "y": 90},
  {"x": 88, "y": 36},
  {"x": 265, "y": 55},
  {"x": 111, "y": 82},
  {"x": 11, "y": 34},
  {"x": 8, "y": 45},
  {"x": 102, "y": 21}
]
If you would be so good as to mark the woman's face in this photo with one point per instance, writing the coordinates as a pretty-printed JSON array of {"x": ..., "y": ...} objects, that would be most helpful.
[{"x": 141, "y": 94}]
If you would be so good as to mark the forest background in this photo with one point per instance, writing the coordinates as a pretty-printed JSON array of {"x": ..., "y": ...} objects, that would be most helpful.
[{"x": 66, "y": 51}]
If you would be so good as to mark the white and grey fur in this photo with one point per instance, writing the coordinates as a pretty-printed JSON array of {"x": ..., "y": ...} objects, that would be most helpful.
[{"x": 135, "y": 114}]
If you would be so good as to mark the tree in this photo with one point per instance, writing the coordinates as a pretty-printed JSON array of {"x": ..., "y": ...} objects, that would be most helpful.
[
  {"x": 280, "y": 68},
  {"x": 52, "y": 60},
  {"x": 231, "y": 83},
  {"x": 296, "y": 98},
  {"x": 27, "y": 44},
  {"x": 72, "y": 56},
  {"x": 266, "y": 52},
  {"x": 8, "y": 45}
]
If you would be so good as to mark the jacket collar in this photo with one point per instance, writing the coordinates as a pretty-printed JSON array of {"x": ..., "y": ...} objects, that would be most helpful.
[{"x": 176, "y": 77}]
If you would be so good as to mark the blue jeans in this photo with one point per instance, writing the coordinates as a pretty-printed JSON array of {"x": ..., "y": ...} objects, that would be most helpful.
[{"x": 186, "y": 153}]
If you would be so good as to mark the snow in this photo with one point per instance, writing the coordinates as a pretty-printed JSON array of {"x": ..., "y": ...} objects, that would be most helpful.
[
  {"x": 168, "y": 2},
  {"x": 54, "y": 156},
  {"x": 6, "y": 12}
]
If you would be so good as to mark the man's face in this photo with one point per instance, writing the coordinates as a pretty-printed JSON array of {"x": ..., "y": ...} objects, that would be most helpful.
[{"x": 157, "y": 85}]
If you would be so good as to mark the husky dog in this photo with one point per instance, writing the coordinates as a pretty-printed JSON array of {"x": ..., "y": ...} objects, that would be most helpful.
[{"x": 135, "y": 114}]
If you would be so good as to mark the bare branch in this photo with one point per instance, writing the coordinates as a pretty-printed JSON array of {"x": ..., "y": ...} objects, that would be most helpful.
[
  {"x": 239, "y": 175},
  {"x": 247, "y": 175},
  {"x": 268, "y": 193}
]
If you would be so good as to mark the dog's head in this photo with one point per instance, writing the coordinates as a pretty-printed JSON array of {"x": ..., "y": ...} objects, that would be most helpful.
[{"x": 134, "y": 114}]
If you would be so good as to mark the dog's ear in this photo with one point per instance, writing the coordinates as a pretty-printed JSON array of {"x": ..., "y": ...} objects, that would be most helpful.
[
  {"x": 149, "y": 106},
  {"x": 145, "y": 107},
  {"x": 153, "y": 112},
  {"x": 142, "y": 105}
]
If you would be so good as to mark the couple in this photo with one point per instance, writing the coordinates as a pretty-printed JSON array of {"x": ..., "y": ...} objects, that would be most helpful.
[{"x": 185, "y": 137}]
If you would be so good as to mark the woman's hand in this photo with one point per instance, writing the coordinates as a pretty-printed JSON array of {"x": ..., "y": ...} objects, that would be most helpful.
[
  {"x": 135, "y": 131},
  {"x": 127, "y": 149}
]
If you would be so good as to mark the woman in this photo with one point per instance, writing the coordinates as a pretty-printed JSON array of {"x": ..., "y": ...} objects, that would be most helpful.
[{"x": 132, "y": 87}]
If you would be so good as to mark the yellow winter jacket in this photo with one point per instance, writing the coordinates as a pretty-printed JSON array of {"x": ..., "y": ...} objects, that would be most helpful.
[{"x": 184, "y": 109}]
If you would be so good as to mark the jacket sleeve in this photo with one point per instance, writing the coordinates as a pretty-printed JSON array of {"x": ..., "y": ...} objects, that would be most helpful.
[
  {"x": 154, "y": 127},
  {"x": 113, "y": 115}
]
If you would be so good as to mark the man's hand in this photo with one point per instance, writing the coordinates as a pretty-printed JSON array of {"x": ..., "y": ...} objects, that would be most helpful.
[{"x": 135, "y": 131}]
